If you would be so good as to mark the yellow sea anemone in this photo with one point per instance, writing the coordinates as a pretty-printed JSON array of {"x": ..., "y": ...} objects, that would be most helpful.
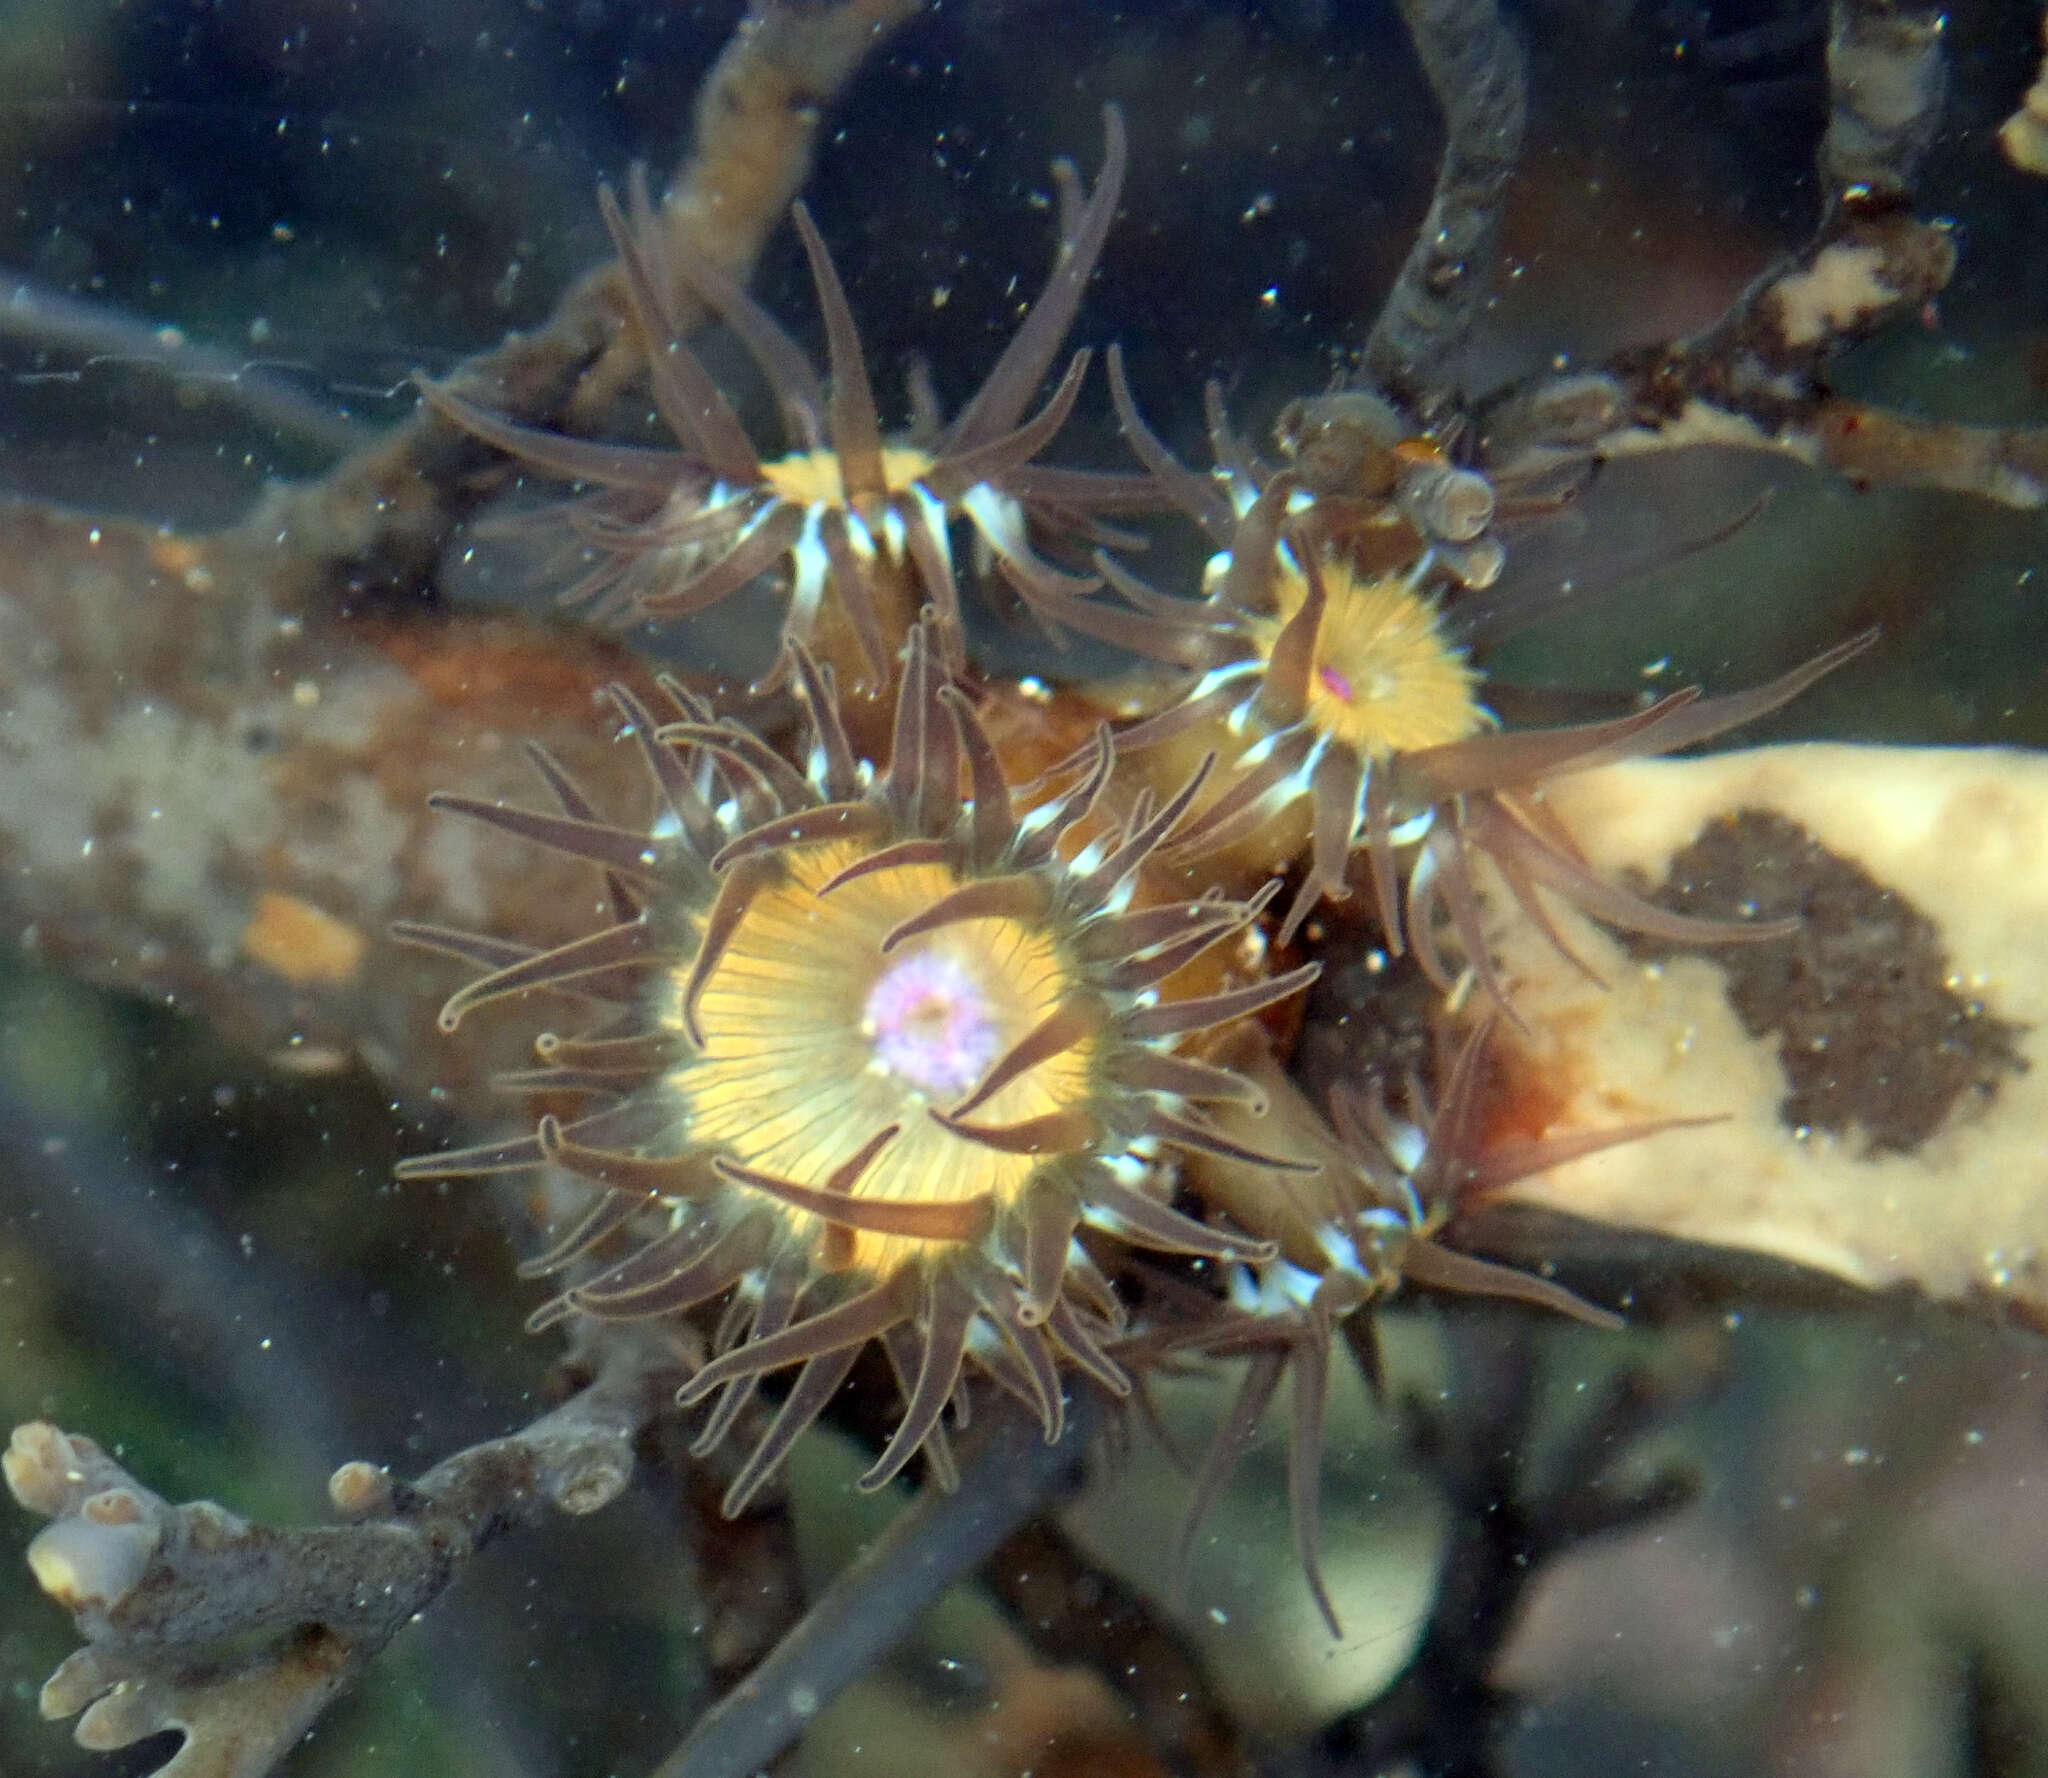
[
  {"x": 880, "y": 1051},
  {"x": 1363, "y": 1224},
  {"x": 859, "y": 525},
  {"x": 1347, "y": 697}
]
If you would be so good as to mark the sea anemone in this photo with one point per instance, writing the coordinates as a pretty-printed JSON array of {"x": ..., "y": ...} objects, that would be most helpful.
[
  {"x": 1348, "y": 714},
  {"x": 879, "y": 1050},
  {"x": 841, "y": 511},
  {"x": 1364, "y": 1224}
]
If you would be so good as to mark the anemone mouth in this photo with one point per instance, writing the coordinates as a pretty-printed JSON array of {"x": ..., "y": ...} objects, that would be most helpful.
[
  {"x": 1382, "y": 677},
  {"x": 813, "y": 1037},
  {"x": 818, "y": 477},
  {"x": 885, "y": 1045}
]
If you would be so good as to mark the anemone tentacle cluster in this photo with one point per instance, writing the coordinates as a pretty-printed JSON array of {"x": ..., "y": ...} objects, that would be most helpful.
[
  {"x": 907, "y": 1054},
  {"x": 884, "y": 1051}
]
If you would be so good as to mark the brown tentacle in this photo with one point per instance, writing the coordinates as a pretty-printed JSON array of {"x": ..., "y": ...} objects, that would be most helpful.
[
  {"x": 1050, "y": 1216},
  {"x": 633, "y": 855},
  {"x": 856, "y": 590},
  {"x": 1226, "y": 1451},
  {"x": 994, "y": 821},
  {"x": 679, "y": 793},
  {"x": 1025, "y": 897},
  {"x": 1309, "y": 1387},
  {"x": 1056, "y": 1133},
  {"x": 758, "y": 550},
  {"x": 664, "y": 1176},
  {"x": 996, "y": 405},
  {"x": 850, "y": 1323},
  {"x": 569, "y": 459},
  {"x": 952, "y": 475},
  {"x": 1251, "y": 582},
  {"x": 1437, "y": 1267},
  {"x": 815, "y": 1385},
  {"x": 613, "y": 947},
  {"x": 1174, "y": 1018},
  {"x": 855, "y": 428},
  {"x": 691, "y": 403},
  {"x": 804, "y": 827},
  {"x": 903, "y": 854},
  {"x": 1334, "y": 786},
  {"x": 948, "y": 1313},
  {"x": 1195, "y": 495},
  {"x": 1153, "y": 1224},
  {"x": 1083, "y": 1344},
  {"x": 1078, "y": 1019},
  {"x": 841, "y": 776},
  {"x": 737, "y": 889}
]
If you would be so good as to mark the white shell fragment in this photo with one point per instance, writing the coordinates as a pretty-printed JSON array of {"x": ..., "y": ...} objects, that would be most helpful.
[{"x": 1885, "y": 1081}]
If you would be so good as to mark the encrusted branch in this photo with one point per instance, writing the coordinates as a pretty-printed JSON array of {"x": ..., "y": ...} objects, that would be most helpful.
[
  {"x": 1887, "y": 80},
  {"x": 1752, "y": 378},
  {"x": 218, "y": 759},
  {"x": 238, "y": 1634},
  {"x": 2024, "y": 135},
  {"x": 1756, "y": 378},
  {"x": 1475, "y": 69}
]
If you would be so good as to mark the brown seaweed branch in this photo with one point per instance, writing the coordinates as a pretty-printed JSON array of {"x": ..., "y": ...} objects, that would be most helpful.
[
  {"x": 1444, "y": 1714},
  {"x": 1475, "y": 69},
  {"x": 1070, "y": 1610},
  {"x": 1009, "y": 1475},
  {"x": 238, "y": 1634}
]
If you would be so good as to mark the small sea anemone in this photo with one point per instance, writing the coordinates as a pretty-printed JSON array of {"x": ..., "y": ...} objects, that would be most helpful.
[
  {"x": 1348, "y": 714},
  {"x": 879, "y": 1050},
  {"x": 1363, "y": 1225},
  {"x": 842, "y": 511}
]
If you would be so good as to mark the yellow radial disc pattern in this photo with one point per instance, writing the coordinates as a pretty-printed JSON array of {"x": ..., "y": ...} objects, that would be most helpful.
[
  {"x": 812, "y": 478},
  {"x": 1386, "y": 680},
  {"x": 814, "y": 1040}
]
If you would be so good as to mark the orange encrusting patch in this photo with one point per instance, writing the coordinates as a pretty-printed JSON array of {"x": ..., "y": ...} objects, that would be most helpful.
[
  {"x": 303, "y": 943},
  {"x": 1527, "y": 1096},
  {"x": 497, "y": 671},
  {"x": 793, "y": 1079}
]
